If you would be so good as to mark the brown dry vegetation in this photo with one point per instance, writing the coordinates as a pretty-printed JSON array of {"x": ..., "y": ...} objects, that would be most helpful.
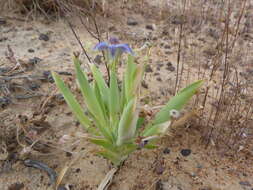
[{"x": 210, "y": 40}]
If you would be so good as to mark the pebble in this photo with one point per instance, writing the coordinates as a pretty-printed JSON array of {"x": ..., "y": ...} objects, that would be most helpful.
[
  {"x": 78, "y": 170},
  {"x": 2, "y": 21},
  {"x": 43, "y": 37},
  {"x": 168, "y": 52},
  {"x": 159, "y": 65},
  {"x": 16, "y": 186},
  {"x": 148, "y": 69},
  {"x": 178, "y": 19},
  {"x": 186, "y": 152},
  {"x": 4, "y": 101},
  {"x": 31, "y": 50},
  {"x": 59, "y": 98},
  {"x": 3, "y": 39},
  {"x": 34, "y": 60},
  {"x": 169, "y": 64},
  {"x": 33, "y": 86},
  {"x": 48, "y": 76},
  {"x": 150, "y": 27},
  {"x": 170, "y": 68},
  {"x": 166, "y": 151},
  {"x": 131, "y": 22},
  {"x": 65, "y": 73},
  {"x": 98, "y": 59},
  {"x": 167, "y": 46},
  {"x": 159, "y": 79},
  {"x": 144, "y": 84},
  {"x": 245, "y": 183}
]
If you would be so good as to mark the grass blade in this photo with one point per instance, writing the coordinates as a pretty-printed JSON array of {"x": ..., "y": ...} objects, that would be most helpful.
[
  {"x": 92, "y": 102},
  {"x": 176, "y": 102},
  {"x": 104, "y": 91},
  {"x": 114, "y": 98},
  {"x": 71, "y": 101},
  {"x": 128, "y": 123}
]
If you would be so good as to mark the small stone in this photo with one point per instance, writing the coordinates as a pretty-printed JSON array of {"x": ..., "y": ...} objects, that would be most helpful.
[
  {"x": 144, "y": 84},
  {"x": 199, "y": 166},
  {"x": 43, "y": 37},
  {"x": 168, "y": 52},
  {"x": 68, "y": 154},
  {"x": 16, "y": 186},
  {"x": 159, "y": 79},
  {"x": 178, "y": 19},
  {"x": 131, "y": 22},
  {"x": 186, "y": 152},
  {"x": 148, "y": 69},
  {"x": 59, "y": 98},
  {"x": 33, "y": 86},
  {"x": 98, "y": 59},
  {"x": 31, "y": 50},
  {"x": 78, "y": 170},
  {"x": 3, "y": 39},
  {"x": 48, "y": 76},
  {"x": 169, "y": 64},
  {"x": 3, "y": 21},
  {"x": 170, "y": 68},
  {"x": 167, "y": 46},
  {"x": 213, "y": 33},
  {"x": 245, "y": 183},
  {"x": 4, "y": 101},
  {"x": 34, "y": 60},
  {"x": 150, "y": 26},
  {"x": 65, "y": 73},
  {"x": 159, "y": 65},
  {"x": 166, "y": 151}
]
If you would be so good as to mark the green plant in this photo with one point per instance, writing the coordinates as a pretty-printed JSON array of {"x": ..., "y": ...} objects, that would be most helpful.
[{"x": 112, "y": 118}]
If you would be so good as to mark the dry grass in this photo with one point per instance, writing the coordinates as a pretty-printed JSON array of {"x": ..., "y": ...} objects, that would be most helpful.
[
  {"x": 49, "y": 7},
  {"x": 226, "y": 120}
]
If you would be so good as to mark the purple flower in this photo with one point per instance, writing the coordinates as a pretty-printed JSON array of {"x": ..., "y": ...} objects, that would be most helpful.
[{"x": 114, "y": 48}]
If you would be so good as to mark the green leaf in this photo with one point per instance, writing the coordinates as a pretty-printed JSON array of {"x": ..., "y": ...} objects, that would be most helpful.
[
  {"x": 129, "y": 78},
  {"x": 140, "y": 122},
  {"x": 176, "y": 102},
  {"x": 92, "y": 102},
  {"x": 114, "y": 158},
  {"x": 99, "y": 98},
  {"x": 104, "y": 91},
  {"x": 114, "y": 99},
  {"x": 150, "y": 146},
  {"x": 157, "y": 129},
  {"x": 71, "y": 101},
  {"x": 104, "y": 143},
  {"x": 128, "y": 122}
]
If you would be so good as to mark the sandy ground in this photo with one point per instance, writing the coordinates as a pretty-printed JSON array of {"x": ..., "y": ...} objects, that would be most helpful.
[{"x": 51, "y": 44}]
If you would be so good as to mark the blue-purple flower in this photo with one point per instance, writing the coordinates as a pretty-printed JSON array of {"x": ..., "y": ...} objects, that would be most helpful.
[{"x": 114, "y": 48}]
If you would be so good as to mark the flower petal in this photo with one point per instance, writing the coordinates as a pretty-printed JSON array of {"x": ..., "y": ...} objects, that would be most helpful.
[
  {"x": 101, "y": 46},
  {"x": 124, "y": 48},
  {"x": 113, "y": 50},
  {"x": 114, "y": 40}
]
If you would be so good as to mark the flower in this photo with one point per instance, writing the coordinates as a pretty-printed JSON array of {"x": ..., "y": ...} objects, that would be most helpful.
[{"x": 114, "y": 48}]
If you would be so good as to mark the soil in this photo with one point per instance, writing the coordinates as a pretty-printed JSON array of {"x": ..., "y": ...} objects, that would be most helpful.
[{"x": 31, "y": 103}]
